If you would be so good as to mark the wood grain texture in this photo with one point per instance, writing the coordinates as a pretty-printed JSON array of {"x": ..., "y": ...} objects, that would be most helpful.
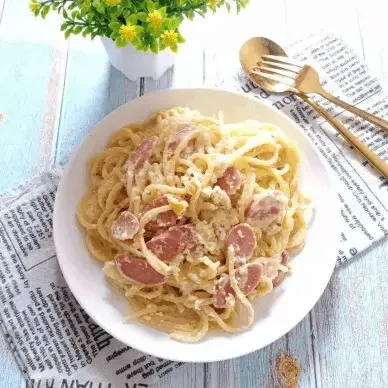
[
  {"x": 2, "y": 4},
  {"x": 57, "y": 92},
  {"x": 187, "y": 376},
  {"x": 92, "y": 89}
]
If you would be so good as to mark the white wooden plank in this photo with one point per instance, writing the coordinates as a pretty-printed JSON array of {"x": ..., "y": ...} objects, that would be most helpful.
[
  {"x": 372, "y": 23},
  {"x": 2, "y": 4},
  {"x": 258, "y": 19},
  {"x": 306, "y": 17}
]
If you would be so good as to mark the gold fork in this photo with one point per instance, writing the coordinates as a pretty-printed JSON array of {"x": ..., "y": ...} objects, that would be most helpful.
[{"x": 306, "y": 79}]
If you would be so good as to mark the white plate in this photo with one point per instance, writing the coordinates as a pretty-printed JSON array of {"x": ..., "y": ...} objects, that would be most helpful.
[{"x": 276, "y": 313}]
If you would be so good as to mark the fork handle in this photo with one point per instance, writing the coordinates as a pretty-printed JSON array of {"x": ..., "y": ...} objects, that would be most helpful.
[
  {"x": 358, "y": 112},
  {"x": 374, "y": 159}
]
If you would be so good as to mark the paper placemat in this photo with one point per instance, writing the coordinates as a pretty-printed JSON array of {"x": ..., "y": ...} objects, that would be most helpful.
[{"x": 57, "y": 345}]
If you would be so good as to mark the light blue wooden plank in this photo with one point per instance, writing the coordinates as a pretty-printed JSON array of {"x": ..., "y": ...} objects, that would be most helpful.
[
  {"x": 351, "y": 321},
  {"x": 22, "y": 102},
  {"x": 10, "y": 375},
  {"x": 31, "y": 80},
  {"x": 260, "y": 369},
  {"x": 187, "y": 376},
  {"x": 92, "y": 89}
]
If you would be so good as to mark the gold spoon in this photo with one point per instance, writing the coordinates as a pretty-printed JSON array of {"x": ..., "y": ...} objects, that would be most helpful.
[{"x": 251, "y": 53}]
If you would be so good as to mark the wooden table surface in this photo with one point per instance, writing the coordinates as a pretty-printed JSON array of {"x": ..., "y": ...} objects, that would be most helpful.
[{"x": 53, "y": 91}]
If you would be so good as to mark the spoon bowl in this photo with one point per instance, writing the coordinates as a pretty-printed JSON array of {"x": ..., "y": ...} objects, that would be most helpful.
[{"x": 251, "y": 52}]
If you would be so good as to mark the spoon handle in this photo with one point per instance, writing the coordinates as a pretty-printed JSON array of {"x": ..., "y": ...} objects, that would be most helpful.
[
  {"x": 374, "y": 159},
  {"x": 358, "y": 112}
]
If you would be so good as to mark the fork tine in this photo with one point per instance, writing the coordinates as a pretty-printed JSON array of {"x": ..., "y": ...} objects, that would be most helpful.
[
  {"x": 280, "y": 65},
  {"x": 285, "y": 60},
  {"x": 272, "y": 70},
  {"x": 274, "y": 77}
]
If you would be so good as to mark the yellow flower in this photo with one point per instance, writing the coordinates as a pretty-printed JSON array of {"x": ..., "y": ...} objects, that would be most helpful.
[
  {"x": 112, "y": 2},
  {"x": 128, "y": 32},
  {"x": 34, "y": 5},
  {"x": 170, "y": 38},
  {"x": 155, "y": 18}
]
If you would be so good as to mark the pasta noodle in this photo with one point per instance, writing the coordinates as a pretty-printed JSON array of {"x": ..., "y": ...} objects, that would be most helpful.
[{"x": 226, "y": 196}]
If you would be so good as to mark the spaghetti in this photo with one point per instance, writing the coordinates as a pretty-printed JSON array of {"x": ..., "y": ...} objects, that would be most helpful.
[{"x": 194, "y": 218}]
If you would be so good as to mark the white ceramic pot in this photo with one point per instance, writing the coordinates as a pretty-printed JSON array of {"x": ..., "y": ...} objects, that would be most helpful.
[{"x": 135, "y": 64}]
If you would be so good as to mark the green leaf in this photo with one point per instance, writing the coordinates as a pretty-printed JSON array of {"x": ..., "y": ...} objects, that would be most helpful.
[
  {"x": 77, "y": 30},
  {"x": 120, "y": 42},
  {"x": 126, "y": 13},
  {"x": 136, "y": 41},
  {"x": 86, "y": 31},
  {"x": 181, "y": 39},
  {"x": 114, "y": 26},
  {"x": 99, "y": 6},
  {"x": 65, "y": 15},
  {"x": 55, "y": 5},
  {"x": 67, "y": 33},
  {"x": 142, "y": 16},
  {"x": 45, "y": 11},
  {"x": 163, "y": 11},
  {"x": 74, "y": 14},
  {"x": 190, "y": 14},
  {"x": 174, "y": 23},
  {"x": 36, "y": 12},
  {"x": 114, "y": 35},
  {"x": 150, "y": 5},
  {"x": 157, "y": 31},
  {"x": 132, "y": 19},
  {"x": 72, "y": 6},
  {"x": 64, "y": 26},
  {"x": 162, "y": 45},
  {"x": 227, "y": 5},
  {"x": 154, "y": 47}
]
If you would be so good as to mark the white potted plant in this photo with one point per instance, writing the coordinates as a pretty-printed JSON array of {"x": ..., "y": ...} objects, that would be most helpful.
[{"x": 141, "y": 37}]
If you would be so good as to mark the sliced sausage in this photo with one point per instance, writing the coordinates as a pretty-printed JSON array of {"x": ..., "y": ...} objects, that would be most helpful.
[
  {"x": 231, "y": 180},
  {"x": 265, "y": 208},
  {"x": 138, "y": 270},
  {"x": 281, "y": 275},
  {"x": 222, "y": 290},
  {"x": 182, "y": 135},
  {"x": 168, "y": 244},
  {"x": 189, "y": 240},
  {"x": 142, "y": 153},
  {"x": 126, "y": 226},
  {"x": 248, "y": 277},
  {"x": 163, "y": 220},
  {"x": 139, "y": 156},
  {"x": 242, "y": 239}
]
